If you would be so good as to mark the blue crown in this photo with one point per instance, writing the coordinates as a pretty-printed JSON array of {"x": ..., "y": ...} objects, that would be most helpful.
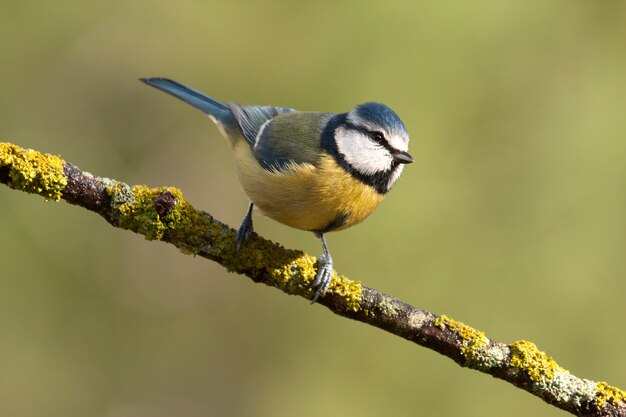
[{"x": 381, "y": 115}]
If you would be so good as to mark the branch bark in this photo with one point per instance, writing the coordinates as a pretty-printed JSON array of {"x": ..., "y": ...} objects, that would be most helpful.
[{"x": 163, "y": 214}]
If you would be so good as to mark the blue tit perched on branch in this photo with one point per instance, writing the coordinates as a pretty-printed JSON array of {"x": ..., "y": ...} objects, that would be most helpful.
[{"x": 314, "y": 171}]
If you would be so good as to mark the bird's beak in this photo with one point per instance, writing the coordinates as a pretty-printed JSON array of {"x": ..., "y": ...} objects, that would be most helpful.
[{"x": 402, "y": 157}]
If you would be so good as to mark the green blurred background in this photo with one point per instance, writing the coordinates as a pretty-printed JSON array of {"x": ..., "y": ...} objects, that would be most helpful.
[{"x": 512, "y": 219}]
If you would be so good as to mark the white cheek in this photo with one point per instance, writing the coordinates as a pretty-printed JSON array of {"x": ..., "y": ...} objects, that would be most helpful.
[
  {"x": 361, "y": 153},
  {"x": 394, "y": 176},
  {"x": 399, "y": 143}
]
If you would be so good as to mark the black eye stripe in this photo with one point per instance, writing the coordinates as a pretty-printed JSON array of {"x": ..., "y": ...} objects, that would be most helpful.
[{"x": 376, "y": 135}]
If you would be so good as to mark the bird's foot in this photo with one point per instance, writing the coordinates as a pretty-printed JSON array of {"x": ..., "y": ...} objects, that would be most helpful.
[
  {"x": 244, "y": 230},
  {"x": 323, "y": 277}
]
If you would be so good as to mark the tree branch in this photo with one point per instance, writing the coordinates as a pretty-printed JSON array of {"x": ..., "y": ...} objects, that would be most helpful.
[{"x": 163, "y": 214}]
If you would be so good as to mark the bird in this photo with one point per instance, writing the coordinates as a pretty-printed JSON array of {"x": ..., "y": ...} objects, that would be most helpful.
[{"x": 314, "y": 171}]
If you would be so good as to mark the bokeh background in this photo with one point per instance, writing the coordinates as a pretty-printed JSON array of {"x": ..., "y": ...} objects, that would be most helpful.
[{"x": 512, "y": 219}]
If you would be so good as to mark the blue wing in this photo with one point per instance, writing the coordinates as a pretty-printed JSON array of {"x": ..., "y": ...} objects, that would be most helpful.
[{"x": 252, "y": 118}]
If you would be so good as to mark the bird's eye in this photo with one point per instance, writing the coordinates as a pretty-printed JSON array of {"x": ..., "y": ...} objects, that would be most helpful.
[{"x": 377, "y": 136}]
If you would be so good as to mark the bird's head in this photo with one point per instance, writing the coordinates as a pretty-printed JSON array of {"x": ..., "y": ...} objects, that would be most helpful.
[{"x": 372, "y": 143}]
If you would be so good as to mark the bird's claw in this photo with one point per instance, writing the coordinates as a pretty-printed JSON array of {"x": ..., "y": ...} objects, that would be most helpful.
[
  {"x": 244, "y": 230},
  {"x": 323, "y": 277},
  {"x": 243, "y": 233}
]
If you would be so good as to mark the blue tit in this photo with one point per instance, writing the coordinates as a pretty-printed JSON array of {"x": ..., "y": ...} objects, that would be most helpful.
[{"x": 314, "y": 171}]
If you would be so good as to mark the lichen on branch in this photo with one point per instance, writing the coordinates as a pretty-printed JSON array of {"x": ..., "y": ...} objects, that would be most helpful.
[
  {"x": 163, "y": 214},
  {"x": 31, "y": 171}
]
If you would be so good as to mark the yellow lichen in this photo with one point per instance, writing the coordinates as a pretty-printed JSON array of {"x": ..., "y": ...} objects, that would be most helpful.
[
  {"x": 134, "y": 209},
  {"x": 294, "y": 275},
  {"x": 31, "y": 171},
  {"x": 605, "y": 392},
  {"x": 539, "y": 366},
  {"x": 350, "y": 291},
  {"x": 473, "y": 340},
  {"x": 187, "y": 228}
]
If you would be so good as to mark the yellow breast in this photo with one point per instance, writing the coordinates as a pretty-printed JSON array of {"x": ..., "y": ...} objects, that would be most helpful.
[{"x": 305, "y": 196}]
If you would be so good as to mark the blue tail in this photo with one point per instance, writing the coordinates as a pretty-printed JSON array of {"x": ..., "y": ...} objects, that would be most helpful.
[{"x": 218, "y": 111}]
